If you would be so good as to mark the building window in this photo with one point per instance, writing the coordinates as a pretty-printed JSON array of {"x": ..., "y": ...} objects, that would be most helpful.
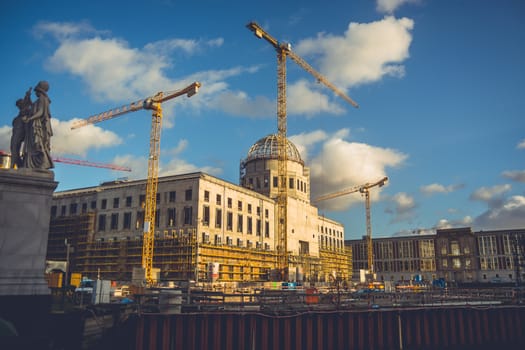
[
  {"x": 104, "y": 204},
  {"x": 266, "y": 229},
  {"x": 172, "y": 217},
  {"x": 229, "y": 221},
  {"x": 218, "y": 218},
  {"x": 142, "y": 200},
  {"x": 230, "y": 203},
  {"x": 266, "y": 213},
  {"x": 73, "y": 209},
  {"x": 206, "y": 196},
  {"x": 218, "y": 199},
  {"x": 454, "y": 248},
  {"x": 129, "y": 201},
  {"x": 140, "y": 220},
  {"x": 93, "y": 204},
  {"x": 290, "y": 183},
  {"x": 172, "y": 196},
  {"x": 445, "y": 263},
  {"x": 188, "y": 194},
  {"x": 127, "y": 221},
  {"x": 275, "y": 182},
  {"x": 102, "y": 222},
  {"x": 239, "y": 205},
  {"x": 115, "y": 203},
  {"x": 63, "y": 210},
  {"x": 206, "y": 215},
  {"x": 265, "y": 181},
  {"x": 84, "y": 208},
  {"x": 157, "y": 198},
  {"x": 187, "y": 215},
  {"x": 249, "y": 208},
  {"x": 54, "y": 211},
  {"x": 114, "y": 221},
  {"x": 258, "y": 228},
  {"x": 239, "y": 223},
  {"x": 249, "y": 225}
]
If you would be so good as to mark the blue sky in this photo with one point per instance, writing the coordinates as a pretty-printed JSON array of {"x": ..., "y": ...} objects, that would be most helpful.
[{"x": 440, "y": 86}]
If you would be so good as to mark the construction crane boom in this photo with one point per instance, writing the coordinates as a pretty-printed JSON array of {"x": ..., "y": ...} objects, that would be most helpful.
[
  {"x": 152, "y": 103},
  {"x": 365, "y": 190},
  {"x": 88, "y": 163},
  {"x": 284, "y": 50}
]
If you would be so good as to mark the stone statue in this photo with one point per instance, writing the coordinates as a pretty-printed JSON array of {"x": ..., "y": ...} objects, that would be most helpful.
[
  {"x": 37, "y": 142},
  {"x": 19, "y": 133}
]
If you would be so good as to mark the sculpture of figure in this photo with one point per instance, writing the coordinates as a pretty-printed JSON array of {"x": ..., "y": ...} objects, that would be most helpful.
[
  {"x": 18, "y": 134},
  {"x": 37, "y": 143}
]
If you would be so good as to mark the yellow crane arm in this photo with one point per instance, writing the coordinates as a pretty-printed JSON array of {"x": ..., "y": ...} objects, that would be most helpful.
[
  {"x": 286, "y": 48},
  {"x": 321, "y": 78},
  {"x": 146, "y": 103},
  {"x": 364, "y": 189},
  {"x": 154, "y": 104}
]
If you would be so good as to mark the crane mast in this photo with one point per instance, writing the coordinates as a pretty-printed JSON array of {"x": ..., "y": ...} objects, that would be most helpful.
[
  {"x": 284, "y": 50},
  {"x": 364, "y": 190},
  {"x": 150, "y": 209}
]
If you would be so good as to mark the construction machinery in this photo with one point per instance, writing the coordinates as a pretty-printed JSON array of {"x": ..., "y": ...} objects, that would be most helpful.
[
  {"x": 6, "y": 158},
  {"x": 284, "y": 50},
  {"x": 153, "y": 103},
  {"x": 91, "y": 164},
  {"x": 364, "y": 190}
]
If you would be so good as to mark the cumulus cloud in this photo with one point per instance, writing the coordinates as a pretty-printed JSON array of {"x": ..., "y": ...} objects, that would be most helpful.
[
  {"x": 114, "y": 71},
  {"x": 510, "y": 214},
  {"x": 70, "y": 142},
  {"x": 79, "y": 141},
  {"x": 401, "y": 206},
  {"x": 438, "y": 188},
  {"x": 340, "y": 164},
  {"x": 365, "y": 53},
  {"x": 305, "y": 98},
  {"x": 516, "y": 175},
  {"x": 489, "y": 194},
  {"x": 521, "y": 145},
  {"x": 5, "y": 138},
  {"x": 170, "y": 163},
  {"x": 389, "y": 6}
]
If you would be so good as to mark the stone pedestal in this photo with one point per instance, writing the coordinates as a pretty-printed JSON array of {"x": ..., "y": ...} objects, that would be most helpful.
[{"x": 25, "y": 201}]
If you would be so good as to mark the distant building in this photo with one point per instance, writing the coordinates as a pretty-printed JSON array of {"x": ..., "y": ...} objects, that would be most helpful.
[{"x": 457, "y": 255}]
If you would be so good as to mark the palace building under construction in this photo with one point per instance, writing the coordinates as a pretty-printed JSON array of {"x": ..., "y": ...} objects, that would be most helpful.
[{"x": 206, "y": 228}]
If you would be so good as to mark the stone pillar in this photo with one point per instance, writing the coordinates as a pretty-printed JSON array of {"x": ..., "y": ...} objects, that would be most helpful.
[{"x": 25, "y": 201}]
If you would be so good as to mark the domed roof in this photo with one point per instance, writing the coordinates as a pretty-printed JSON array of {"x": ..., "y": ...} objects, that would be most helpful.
[{"x": 266, "y": 148}]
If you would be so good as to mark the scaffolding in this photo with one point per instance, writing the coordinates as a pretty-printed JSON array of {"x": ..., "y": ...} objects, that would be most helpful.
[{"x": 181, "y": 257}]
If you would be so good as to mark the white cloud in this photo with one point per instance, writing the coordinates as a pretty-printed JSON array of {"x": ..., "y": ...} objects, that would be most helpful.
[
  {"x": 521, "y": 145},
  {"x": 438, "y": 188},
  {"x": 510, "y": 214},
  {"x": 79, "y": 141},
  {"x": 488, "y": 194},
  {"x": 170, "y": 163},
  {"x": 5, "y": 138},
  {"x": 366, "y": 52},
  {"x": 305, "y": 141},
  {"x": 516, "y": 175},
  {"x": 340, "y": 164},
  {"x": 304, "y": 98},
  {"x": 402, "y": 206},
  {"x": 389, "y": 6}
]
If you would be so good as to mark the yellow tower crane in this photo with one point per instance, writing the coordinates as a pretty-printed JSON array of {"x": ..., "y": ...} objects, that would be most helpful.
[
  {"x": 284, "y": 50},
  {"x": 364, "y": 190},
  {"x": 152, "y": 103}
]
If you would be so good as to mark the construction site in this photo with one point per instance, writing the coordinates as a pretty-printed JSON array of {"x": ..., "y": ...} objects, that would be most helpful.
[{"x": 196, "y": 227}]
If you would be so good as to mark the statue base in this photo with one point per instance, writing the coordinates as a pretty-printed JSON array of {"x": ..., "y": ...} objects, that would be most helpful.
[{"x": 25, "y": 201}]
